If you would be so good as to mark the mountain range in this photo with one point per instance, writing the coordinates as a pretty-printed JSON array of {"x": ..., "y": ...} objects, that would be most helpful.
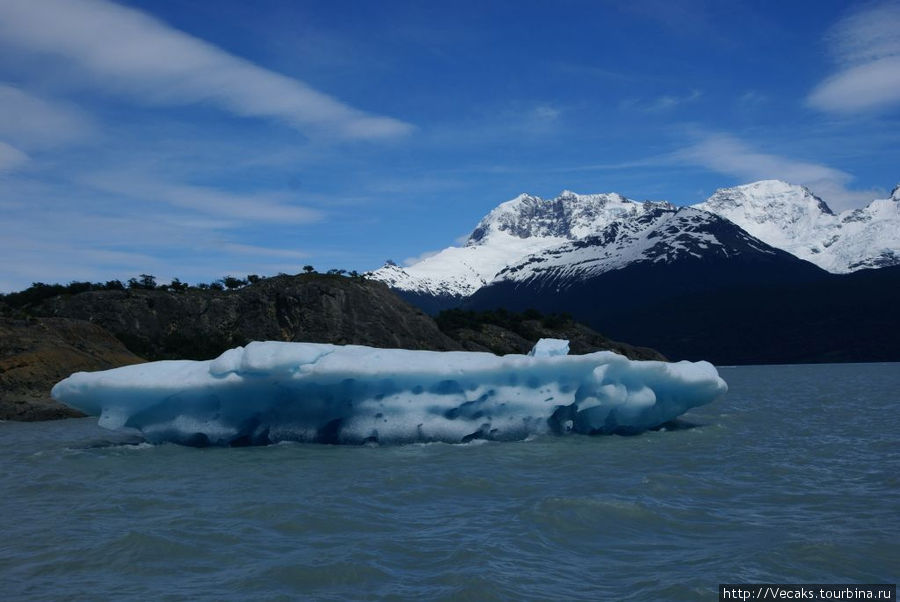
[{"x": 767, "y": 261}]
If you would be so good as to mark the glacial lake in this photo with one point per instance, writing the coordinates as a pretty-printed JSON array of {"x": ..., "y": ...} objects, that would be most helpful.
[{"x": 793, "y": 477}]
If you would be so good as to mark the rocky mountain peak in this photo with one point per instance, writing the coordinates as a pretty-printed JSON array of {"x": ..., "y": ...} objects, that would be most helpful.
[
  {"x": 768, "y": 198},
  {"x": 567, "y": 216}
]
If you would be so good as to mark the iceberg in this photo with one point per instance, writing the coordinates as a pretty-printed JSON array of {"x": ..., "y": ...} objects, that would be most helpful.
[
  {"x": 550, "y": 348},
  {"x": 269, "y": 392}
]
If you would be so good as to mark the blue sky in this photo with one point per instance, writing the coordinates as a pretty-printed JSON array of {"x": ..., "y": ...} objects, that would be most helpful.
[{"x": 195, "y": 139}]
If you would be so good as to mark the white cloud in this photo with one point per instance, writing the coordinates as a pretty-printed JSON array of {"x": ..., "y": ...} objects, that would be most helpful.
[
  {"x": 867, "y": 48},
  {"x": 10, "y": 157},
  {"x": 33, "y": 122},
  {"x": 130, "y": 52},
  {"x": 728, "y": 155}
]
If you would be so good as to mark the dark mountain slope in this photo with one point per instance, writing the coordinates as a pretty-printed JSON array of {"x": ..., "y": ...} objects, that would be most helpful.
[
  {"x": 696, "y": 286},
  {"x": 839, "y": 318},
  {"x": 782, "y": 316}
]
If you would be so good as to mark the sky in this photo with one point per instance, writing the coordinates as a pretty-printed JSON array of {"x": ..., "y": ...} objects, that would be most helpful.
[{"x": 197, "y": 139}]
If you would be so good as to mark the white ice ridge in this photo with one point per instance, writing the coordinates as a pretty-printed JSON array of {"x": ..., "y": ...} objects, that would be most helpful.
[{"x": 269, "y": 391}]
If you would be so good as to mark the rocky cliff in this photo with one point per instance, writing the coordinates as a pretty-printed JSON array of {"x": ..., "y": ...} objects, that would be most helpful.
[
  {"x": 37, "y": 353},
  {"x": 201, "y": 324}
]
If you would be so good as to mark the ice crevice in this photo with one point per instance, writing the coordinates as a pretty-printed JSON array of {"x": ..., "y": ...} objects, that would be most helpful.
[{"x": 269, "y": 392}]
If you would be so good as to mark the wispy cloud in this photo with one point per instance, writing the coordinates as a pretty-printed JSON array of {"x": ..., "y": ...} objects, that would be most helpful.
[
  {"x": 204, "y": 200},
  {"x": 44, "y": 261},
  {"x": 45, "y": 235},
  {"x": 256, "y": 250},
  {"x": 687, "y": 18},
  {"x": 127, "y": 51},
  {"x": 867, "y": 48},
  {"x": 591, "y": 71},
  {"x": 492, "y": 124},
  {"x": 751, "y": 99},
  {"x": 33, "y": 122},
  {"x": 423, "y": 256},
  {"x": 616, "y": 166},
  {"x": 49, "y": 242},
  {"x": 662, "y": 103},
  {"x": 728, "y": 155},
  {"x": 10, "y": 157},
  {"x": 545, "y": 113}
]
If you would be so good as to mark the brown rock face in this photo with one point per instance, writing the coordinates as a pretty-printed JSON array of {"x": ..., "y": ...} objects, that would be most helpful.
[
  {"x": 198, "y": 324},
  {"x": 37, "y": 353}
]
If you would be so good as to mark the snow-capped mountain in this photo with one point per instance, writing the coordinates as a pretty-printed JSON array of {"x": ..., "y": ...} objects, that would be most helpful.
[
  {"x": 516, "y": 229},
  {"x": 661, "y": 236},
  {"x": 792, "y": 218},
  {"x": 460, "y": 271},
  {"x": 575, "y": 235},
  {"x": 686, "y": 285},
  {"x": 570, "y": 215},
  {"x": 738, "y": 278}
]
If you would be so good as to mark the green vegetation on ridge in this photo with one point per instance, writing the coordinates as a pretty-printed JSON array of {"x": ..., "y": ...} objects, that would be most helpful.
[{"x": 39, "y": 291}]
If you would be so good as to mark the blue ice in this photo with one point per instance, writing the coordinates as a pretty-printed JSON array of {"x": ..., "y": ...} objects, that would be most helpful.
[{"x": 268, "y": 392}]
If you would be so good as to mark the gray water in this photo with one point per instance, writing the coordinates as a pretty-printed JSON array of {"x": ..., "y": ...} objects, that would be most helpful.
[{"x": 793, "y": 477}]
